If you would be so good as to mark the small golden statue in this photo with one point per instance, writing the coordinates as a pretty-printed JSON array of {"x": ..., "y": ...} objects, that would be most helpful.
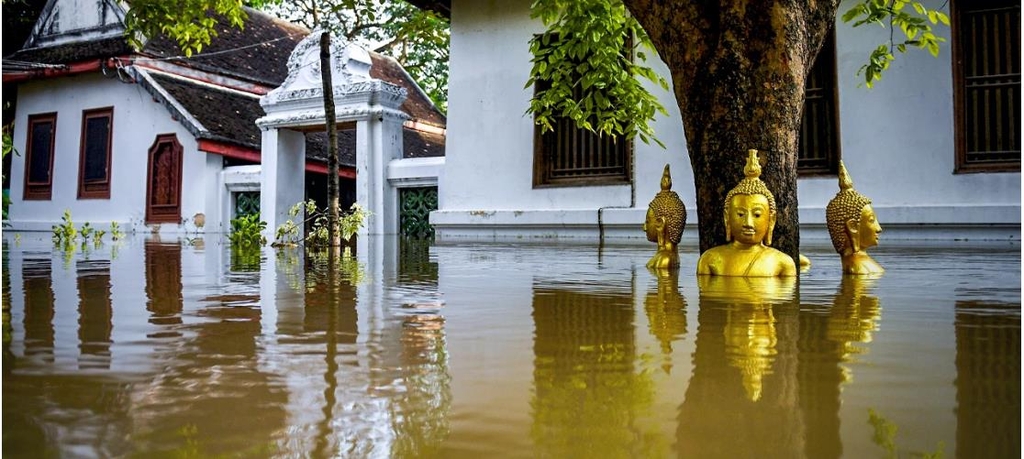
[
  {"x": 666, "y": 218},
  {"x": 853, "y": 226},
  {"x": 749, "y": 221}
]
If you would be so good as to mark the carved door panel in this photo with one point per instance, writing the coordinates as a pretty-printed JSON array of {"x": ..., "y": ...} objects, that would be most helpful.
[{"x": 163, "y": 185}]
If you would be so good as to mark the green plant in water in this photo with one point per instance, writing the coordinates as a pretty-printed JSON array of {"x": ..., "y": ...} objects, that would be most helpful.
[
  {"x": 288, "y": 232},
  {"x": 115, "y": 231},
  {"x": 65, "y": 233},
  {"x": 884, "y": 435},
  {"x": 86, "y": 231},
  {"x": 247, "y": 231}
]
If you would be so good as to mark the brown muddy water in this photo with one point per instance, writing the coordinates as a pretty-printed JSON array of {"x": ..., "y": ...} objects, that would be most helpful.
[{"x": 172, "y": 348}]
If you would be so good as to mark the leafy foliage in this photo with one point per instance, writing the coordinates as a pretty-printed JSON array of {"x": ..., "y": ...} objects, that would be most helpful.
[
  {"x": 191, "y": 23},
  {"x": 416, "y": 38},
  {"x": 247, "y": 231},
  {"x": 8, "y": 148},
  {"x": 586, "y": 50},
  {"x": 287, "y": 233},
  {"x": 65, "y": 233},
  {"x": 884, "y": 435},
  {"x": 916, "y": 27}
]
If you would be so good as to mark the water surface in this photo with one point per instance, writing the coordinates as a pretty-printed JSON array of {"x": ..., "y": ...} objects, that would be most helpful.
[{"x": 170, "y": 348}]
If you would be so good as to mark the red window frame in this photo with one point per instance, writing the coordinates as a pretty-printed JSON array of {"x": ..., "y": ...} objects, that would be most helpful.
[
  {"x": 95, "y": 189},
  {"x": 40, "y": 191}
]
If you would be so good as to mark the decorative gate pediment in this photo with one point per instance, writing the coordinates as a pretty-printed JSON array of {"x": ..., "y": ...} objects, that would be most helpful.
[{"x": 299, "y": 100}]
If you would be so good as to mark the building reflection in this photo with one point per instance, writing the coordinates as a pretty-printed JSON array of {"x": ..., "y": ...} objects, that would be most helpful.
[
  {"x": 828, "y": 337},
  {"x": 163, "y": 286},
  {"x": 744, "y": 379},
  {"x": 211, "y": 385},
  {"x": 666, "y": 312},
  {"x": 588, "y": 392},
  {"x": 94, "y": 314},
  {"x": 425, "y": 406},
  {"x": 36, "y": 274},
  {"x": 988, "y": 379}
]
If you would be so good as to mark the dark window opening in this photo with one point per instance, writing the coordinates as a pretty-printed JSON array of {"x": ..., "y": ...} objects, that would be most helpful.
[
  {"x": 94, "y": 161},
  {"x": 986, "y": 79},
  {"x": 39, "y": 159},
  {"x": 818, "y": 150}
]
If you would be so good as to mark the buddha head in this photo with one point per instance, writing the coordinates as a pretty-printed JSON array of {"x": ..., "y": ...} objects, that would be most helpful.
[
  {"x": 666, "y": 213},
  {"x": 851, "y": 220},
  {"x": 750, "y": 210}
]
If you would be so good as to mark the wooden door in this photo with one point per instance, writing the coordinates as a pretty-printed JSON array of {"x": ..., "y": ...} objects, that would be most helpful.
[{"x": 163, "y": 184}]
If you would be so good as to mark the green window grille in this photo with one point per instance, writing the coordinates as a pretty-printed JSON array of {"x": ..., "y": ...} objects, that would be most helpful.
[
  {"x": 417, "y": 203},
  {"x": 247, "y": 203}
]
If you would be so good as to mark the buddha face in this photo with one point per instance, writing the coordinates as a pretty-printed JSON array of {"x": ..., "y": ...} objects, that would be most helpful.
[
  {"x": 748, "y": 218},
  {"x": 651, "y": 226},
  {"x": 867, "y": 228}
]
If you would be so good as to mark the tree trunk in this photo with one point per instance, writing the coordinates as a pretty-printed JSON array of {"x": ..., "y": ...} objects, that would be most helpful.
[
  {"x": 333, "y": 233},
  {"x": 739, "y": 70}
]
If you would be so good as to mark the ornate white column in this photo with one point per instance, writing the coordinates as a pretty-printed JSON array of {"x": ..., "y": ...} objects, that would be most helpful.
[{"x": 298, "y": 103}]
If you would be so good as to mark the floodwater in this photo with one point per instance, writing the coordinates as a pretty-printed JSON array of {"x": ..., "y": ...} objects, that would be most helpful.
[{"x": 176, "y": 348}]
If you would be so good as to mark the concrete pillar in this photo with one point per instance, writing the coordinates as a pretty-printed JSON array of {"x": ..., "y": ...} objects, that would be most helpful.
[
  {"x": 378, "y": 141},
  {"x": 282, "y": 176}
]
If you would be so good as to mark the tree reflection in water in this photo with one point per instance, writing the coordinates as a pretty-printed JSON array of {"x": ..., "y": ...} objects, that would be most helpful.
[{"x": 588, "y": 393}]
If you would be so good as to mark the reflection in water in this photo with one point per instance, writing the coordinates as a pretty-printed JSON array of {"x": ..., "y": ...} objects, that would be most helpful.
[
  {"x": 422, "y": 423},
  {"x": 827, "y": 338},
  {"x": 8, "y": 329},
  {"x": 163, "y": 285},
  {"x": 37, "y": 275},
  {"x": 211, "y": 385},
  {"x": 164, "y": 351},
  {"x": 587, "y": 392},
  {"x": 743, "y": 389},
  {"x": 988, "y": 379},
  {"x": 94, "y": 313},
  {"x": 666, "y": 312}
]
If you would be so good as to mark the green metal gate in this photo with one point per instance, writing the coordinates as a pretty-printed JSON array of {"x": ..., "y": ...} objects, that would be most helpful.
[
  {"x": 246, "y": 203},
  {"x": 414, "y": 215}
]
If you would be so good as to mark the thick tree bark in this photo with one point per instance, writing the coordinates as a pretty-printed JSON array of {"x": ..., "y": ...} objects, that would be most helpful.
[
  {"x": 333, "y": 233},
  {"x": 739, "y": 69}
]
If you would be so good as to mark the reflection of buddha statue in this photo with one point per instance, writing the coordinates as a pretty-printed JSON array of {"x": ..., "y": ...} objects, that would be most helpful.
[
  {"x": 854, "y": 314},
  {"x": 749, "y": 221},
  {"x": 666, "y": 217},
  {"x": 666, "y": 312},
  {"x": 853, "y": 226},
  {"x": 750, "y": 336}
]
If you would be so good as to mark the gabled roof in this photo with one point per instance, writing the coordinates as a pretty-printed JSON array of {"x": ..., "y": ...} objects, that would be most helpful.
[{"x": 257, "y": 54}]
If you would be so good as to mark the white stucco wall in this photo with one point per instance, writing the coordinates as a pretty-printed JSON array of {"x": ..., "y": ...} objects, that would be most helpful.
[
  {"x": 487, "y": 181},
  {"x": 137, "y": 120},
  {"x": 897, "y": 142}
]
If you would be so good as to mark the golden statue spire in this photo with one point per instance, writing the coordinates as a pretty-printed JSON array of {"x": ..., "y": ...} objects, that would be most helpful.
[
  {"x": 666, "y": 179},
  {"x": 753, "y": 168}
]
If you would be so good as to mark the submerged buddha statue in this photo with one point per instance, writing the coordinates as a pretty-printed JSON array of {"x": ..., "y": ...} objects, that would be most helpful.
[
  {"x": 666, "y": 218},
  {"x": 853, "y": 227},
  {"x": 750, "y": 215}
]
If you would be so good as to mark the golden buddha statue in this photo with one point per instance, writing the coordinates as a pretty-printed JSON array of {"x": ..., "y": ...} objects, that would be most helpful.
[
  {"x": 666, "y": 218},
  {"x": 749, "y": 221},
  {"x": 853, "y": 226}
]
